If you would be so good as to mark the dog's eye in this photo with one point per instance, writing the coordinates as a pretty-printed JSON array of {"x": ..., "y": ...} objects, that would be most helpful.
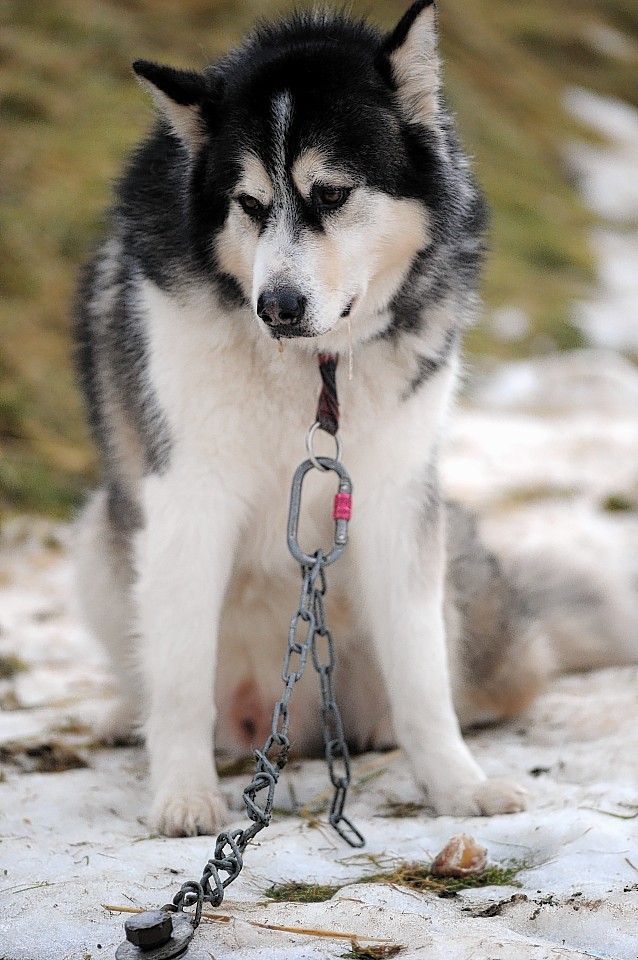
[
  {"x": 330, "y": 198},
  {"x": 251, "y": 206}
]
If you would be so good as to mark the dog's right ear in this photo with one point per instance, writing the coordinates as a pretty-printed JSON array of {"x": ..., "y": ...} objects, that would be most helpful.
[
  {"x": 409, "y": 60},
  {"x": 180, "y": 95}
]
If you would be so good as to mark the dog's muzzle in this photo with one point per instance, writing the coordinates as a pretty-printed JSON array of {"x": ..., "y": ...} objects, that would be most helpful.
[{"x": 283, "y": 311}]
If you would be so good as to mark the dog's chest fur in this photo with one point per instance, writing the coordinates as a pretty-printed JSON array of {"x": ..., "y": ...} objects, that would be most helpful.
[{"x": 239, "y": 409}]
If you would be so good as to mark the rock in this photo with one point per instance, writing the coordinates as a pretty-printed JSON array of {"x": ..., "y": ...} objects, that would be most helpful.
[{"x": 460, "y": 856}]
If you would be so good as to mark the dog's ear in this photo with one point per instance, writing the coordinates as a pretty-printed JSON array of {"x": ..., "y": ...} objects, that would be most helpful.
[
  {"x": 409, "y": 59},
  {"x": 180, "y": 95}
]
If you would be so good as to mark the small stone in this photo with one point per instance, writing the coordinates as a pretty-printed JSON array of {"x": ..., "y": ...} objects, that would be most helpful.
[{"x": 460, "y": 856}]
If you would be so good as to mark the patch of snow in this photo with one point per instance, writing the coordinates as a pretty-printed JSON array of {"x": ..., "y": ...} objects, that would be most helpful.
[
  {"x": 611, "y": 42},
  {"x": 509, "y": 323},
  {"x": 613, "y": 118},
  {"x": 612, "y": 321},
  {"x": 590, "y": 382},
  {"x": 608, "y": 180}
]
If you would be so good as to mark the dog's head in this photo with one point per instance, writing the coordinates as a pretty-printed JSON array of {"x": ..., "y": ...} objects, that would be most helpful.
[{"x": 311, "y": 155}]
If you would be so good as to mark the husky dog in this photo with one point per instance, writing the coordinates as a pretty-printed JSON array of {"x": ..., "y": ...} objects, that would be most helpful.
[{"x": 309, "y": 190}]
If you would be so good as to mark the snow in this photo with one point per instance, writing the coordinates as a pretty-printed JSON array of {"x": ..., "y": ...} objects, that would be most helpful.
[
  {"x": 74, "y": 840},
  {"x": 608, "y": 171},
  {"x": 538, "y": 448},
  {"x": 609, "y": 41},
  {"x": 607, "y": 177},
  {"x": 612, "y": 321}
]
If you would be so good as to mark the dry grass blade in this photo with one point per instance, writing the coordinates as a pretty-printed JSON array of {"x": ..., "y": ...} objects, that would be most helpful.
[
  {"x": 209, "y": 917},
  {"x": 302, "y": 931},
  {"x": 610, "y": 813},
  {"x": 313, "y": 932}
]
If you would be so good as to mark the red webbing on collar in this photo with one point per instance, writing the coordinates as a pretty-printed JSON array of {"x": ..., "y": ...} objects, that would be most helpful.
[{"x": 328, "y": 407}]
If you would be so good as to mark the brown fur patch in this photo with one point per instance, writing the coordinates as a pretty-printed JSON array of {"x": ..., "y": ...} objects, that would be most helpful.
[
  {"x": 255, "y": 180},
  {"x": 394, "y": 249},
  {"x": 312, "y": 166}
]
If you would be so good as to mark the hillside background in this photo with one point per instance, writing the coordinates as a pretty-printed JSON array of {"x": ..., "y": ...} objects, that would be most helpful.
[{"x": 70, "y": 110}]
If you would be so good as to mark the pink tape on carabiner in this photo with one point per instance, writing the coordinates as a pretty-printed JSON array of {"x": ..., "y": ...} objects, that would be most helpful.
[{"x": 342, "y": 506}]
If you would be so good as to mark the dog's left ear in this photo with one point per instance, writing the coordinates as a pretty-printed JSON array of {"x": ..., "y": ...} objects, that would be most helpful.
[
  {"x": 180, "y": 95},
  {"x": 409, "y": 59}
]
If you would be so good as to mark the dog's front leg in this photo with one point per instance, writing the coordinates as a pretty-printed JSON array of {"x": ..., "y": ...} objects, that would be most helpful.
[
  {"x": 400, "y": 555},
  {"x": 184, "y": 558}
]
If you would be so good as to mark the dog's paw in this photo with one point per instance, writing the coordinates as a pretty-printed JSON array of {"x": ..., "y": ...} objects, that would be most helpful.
[
  {"x": 188, "y": 813},
  {"x": 484, "y": 798},
  {"x": 118, "y": 727}
]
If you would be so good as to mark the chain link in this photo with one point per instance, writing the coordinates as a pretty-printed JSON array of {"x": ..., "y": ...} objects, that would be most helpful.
[{"x": 308, "y": 635}]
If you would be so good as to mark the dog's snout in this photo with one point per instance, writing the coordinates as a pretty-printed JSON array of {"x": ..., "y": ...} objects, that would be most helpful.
[{"x": 282, "y": 307}]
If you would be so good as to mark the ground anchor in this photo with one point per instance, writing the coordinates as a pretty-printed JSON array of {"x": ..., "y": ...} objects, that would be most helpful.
[{"x": 156, "y": 935}]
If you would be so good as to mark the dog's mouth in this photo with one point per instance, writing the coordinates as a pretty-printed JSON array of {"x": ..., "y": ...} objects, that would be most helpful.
[{"x": 292, "y": 331}]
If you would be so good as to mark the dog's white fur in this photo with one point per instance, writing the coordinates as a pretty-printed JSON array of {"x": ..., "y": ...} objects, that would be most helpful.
[{"x": 217, "y": 517}]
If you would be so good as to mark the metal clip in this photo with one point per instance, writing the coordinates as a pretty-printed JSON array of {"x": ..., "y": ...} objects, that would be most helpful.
[
  {"x": 310, "y": 440},
  {"x": 341, "y": 516}
]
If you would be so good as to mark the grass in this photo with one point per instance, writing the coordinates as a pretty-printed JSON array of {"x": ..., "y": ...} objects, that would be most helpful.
[
  {"x": 10, "y": 665},
  {"x": 619, "y": 503},
  {"x": 293, "y": 891},
  {"x": 359, "y": 952},
  {"x": 242, "y": 766},
  {"x": 400, "y": 810},
  {"x": 414, "y": 876},
  {"x": 51, "y": 756},
  {"x": 70, "y": 110},
  {"x": 417, "y": 876}
]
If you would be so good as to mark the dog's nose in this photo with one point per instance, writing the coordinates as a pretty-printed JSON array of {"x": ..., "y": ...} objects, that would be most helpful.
[{"x": 284, "y": 307}]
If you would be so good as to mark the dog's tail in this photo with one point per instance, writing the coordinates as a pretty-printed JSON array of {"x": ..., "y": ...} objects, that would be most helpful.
[{"x": 517, "y": 620}]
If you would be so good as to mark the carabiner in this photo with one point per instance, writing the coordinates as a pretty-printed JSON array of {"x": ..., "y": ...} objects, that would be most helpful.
[{"x": 341, "y": 511}]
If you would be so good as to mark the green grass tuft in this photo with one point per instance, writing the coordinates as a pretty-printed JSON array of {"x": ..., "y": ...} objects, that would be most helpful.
[
  {"x": 294, "y": 891},
  {"x": 619, "y": 503},
  {"x": 10, "y": 665},
  {"x": 417, "y": 876}
]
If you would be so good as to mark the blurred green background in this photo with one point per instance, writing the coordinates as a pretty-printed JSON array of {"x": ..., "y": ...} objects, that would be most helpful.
[{"x": 70, "y": 110}]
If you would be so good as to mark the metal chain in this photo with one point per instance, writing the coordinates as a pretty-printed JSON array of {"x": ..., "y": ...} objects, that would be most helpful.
[
  {"x": 308, "y": 628},
  {"x": 336, "y": 748}
]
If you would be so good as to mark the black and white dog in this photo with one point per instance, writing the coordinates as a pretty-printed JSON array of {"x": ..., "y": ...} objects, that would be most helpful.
[{"x": 308, "y": 188}]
